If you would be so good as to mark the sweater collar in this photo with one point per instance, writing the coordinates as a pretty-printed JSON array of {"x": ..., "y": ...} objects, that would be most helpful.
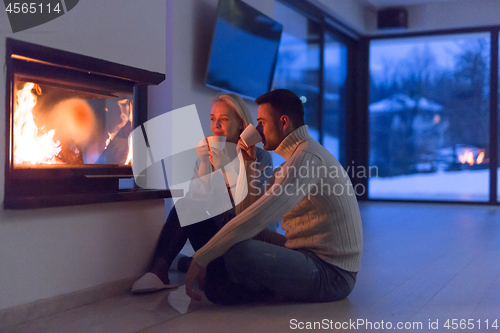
[{"x": 289, "y": 144}]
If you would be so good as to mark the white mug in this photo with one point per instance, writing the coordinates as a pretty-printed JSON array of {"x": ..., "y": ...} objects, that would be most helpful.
[
  {"x": 250, "y": 136},
  {"x": 217, "y": 142}
]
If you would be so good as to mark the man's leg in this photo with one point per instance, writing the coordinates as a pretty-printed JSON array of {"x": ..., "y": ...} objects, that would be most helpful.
[
  {"x": 220, "y": 289},
  {"x": 255, "y": 271}
]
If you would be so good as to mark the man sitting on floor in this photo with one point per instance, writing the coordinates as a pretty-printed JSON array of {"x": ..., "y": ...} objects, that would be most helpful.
[{"x": 318, "y": 258}]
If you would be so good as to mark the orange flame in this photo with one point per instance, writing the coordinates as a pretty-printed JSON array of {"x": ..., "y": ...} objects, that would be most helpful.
[
  {"x": 108, "y": 140},
  {"x": 30, "y": 147},
  {"x": 480, "y": 158},
  {"x": 468, "y": 157},
  {"x": 130, "y": 143},
  {"x": 130, "y": 155},
  {"x": 125, "y": 116}
]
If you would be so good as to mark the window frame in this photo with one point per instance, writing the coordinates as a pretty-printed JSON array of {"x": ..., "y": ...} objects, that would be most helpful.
[
  {"x": 354, "y": 147},
  {"x": 363, "y": 114}
]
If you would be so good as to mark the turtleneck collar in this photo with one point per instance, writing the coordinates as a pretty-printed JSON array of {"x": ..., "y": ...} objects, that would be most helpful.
[{"x": 289, "y": 144}]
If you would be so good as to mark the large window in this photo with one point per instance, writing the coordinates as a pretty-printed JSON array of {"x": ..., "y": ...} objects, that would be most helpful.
[
  {"x": 429, "y": 117},
  {"x": 334, "y": 98},
  {"x": 312, "y": 62},
  {"x": 298, "y": 65},
  {"x": 432, "y": 131}
]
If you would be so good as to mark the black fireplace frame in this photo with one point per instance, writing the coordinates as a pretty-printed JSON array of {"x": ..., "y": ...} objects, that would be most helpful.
[{"x": 27, "y": 188}]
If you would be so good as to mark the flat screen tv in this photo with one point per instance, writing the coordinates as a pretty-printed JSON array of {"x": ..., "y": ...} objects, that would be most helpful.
[{"x": 244, "y": 50}]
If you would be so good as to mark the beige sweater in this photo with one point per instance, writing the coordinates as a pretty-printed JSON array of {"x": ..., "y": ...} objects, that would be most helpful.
[{"x": 315, "y": 198}]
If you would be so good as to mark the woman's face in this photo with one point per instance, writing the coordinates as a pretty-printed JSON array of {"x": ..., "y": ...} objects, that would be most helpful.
[{"x": 225, "y": 122}]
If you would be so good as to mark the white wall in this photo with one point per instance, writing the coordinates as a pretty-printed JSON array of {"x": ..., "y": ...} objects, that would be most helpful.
[
  {"x": 53, "y": 251},
  {"x": 459, "y": 14},
  {"x": 350, "y": 12},
  {"x": 426, "y": 17}
]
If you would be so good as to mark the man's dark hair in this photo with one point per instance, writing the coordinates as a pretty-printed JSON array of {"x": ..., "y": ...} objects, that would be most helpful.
[{"x": 285, "y": 102}]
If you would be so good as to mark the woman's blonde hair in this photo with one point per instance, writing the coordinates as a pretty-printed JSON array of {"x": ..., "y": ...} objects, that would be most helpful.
[{"x": 237, "y": 104}]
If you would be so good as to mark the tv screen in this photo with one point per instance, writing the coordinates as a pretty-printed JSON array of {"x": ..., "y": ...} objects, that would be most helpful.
[{"x": 244, "y": 50}]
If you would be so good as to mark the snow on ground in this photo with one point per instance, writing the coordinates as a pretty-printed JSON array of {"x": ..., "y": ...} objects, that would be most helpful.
[{"x": 467, "y": 185}]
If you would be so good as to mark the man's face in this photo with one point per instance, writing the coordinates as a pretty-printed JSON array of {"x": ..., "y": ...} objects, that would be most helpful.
[{"x": 269, "y": 127}]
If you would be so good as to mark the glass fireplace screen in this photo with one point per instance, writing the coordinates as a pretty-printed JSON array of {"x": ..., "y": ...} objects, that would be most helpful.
[{"x": 59, "y": 124}]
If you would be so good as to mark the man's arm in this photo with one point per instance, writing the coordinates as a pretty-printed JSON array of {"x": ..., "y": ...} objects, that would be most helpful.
[
  {"x": 257, "y": 179},
  {"x": 286, "y": 192}
]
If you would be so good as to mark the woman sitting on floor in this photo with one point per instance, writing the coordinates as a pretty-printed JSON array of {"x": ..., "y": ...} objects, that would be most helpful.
[{"x": 229, "y": 117}]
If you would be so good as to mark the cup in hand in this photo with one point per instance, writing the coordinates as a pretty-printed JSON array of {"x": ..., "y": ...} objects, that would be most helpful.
[
  {"x": 250, "y": 136},
  {"x": 217, "y": 142}
]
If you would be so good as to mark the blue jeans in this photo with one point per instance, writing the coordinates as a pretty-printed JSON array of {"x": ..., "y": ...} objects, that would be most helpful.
[{"x": 255, "y": 271}]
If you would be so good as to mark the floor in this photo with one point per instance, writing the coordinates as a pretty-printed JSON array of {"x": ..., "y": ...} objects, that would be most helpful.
[{"x": 423, "y": 264}]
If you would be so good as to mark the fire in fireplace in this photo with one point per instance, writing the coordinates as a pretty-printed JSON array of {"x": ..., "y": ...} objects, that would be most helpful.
[
  {"x": 69, "y": 118},
  {"x": 60, "y": 126}
]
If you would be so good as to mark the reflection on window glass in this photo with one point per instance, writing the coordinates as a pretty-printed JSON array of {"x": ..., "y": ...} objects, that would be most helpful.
[
  {"x": 298, "y": 63},
  {"x": 429, "y": 118},
  {"x": 335, "y": 69}
]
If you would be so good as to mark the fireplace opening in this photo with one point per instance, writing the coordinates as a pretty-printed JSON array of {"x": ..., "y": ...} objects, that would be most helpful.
[
  {"x": 69, "y": 118},
  {"x": 58, "y": 126}
]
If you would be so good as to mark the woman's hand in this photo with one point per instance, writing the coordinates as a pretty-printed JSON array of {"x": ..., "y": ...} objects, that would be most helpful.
[
  {"x": 195, "y": 273},
  {"x": 218, "y": 158},
  {"x": 247, "y": 152},
  {"x": 202, "y": 150}
]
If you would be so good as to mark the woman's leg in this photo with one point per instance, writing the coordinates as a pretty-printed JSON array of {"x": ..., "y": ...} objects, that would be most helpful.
[
  {"x": 172, "y": 239},
  {"x": 200, "y": 233}
]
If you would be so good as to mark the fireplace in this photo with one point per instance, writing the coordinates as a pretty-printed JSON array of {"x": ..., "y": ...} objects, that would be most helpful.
[{"x": 69, "y": 118}]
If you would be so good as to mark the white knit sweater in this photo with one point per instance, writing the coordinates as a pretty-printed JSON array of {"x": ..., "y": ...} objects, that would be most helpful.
[{"x": 314, "y": 196}]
